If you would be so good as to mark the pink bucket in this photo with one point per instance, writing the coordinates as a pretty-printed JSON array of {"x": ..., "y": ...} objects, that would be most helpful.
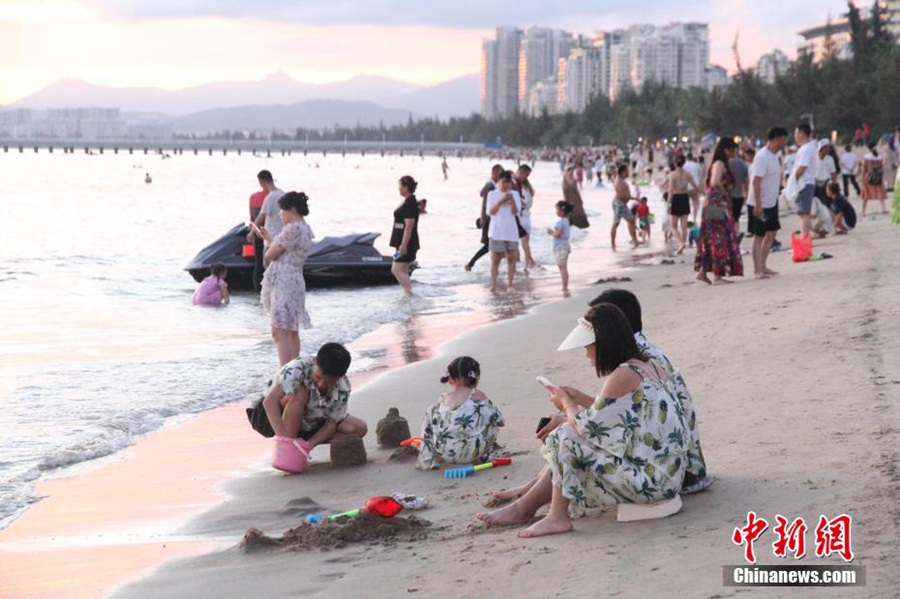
[{"x": 291, "y": 455}]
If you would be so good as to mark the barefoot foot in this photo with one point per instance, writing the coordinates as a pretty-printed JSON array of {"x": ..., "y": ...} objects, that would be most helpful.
[
  {"x": 547, "y": 526},
  {"x": 702, "y": 277},
  {"x": 511, "y": 514}
]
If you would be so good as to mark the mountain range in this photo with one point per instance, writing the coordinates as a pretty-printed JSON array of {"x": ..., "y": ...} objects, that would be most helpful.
[{"x": 365, "y": 99}]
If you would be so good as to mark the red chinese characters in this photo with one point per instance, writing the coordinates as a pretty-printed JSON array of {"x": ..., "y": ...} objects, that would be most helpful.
[
  {"x": 790, "y": 537},
  {"x": 833, "y": 536},
  {"x": 747, "y": 535}
]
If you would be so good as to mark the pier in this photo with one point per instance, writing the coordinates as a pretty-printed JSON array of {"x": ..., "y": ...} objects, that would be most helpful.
[{"x": 224, "y": 147}]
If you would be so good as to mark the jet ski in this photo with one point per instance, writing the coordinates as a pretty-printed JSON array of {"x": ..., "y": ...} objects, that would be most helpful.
[{"x": 332, "y": 261}]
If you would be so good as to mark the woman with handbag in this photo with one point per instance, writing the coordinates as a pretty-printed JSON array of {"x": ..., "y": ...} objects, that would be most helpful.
[
  {"x": 718, "y": 251},
  {"x": 503, "y": 206}
]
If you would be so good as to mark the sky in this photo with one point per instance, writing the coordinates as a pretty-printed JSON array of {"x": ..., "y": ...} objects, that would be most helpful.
[{"x": 173, "y": 44}]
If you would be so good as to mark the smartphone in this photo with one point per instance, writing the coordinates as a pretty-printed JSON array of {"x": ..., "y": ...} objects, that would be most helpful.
[
  {"x": 545, "y": 382},
  {"x": 542, "y": 423}
]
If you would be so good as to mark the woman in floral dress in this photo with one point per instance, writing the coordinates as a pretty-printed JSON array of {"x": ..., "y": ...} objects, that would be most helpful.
[
  {"x": 718, "y": 251},
  {"x": 627, "y": 445},
  {"x": 462, "y": 427},
  {"x": 283, "y": 286}
]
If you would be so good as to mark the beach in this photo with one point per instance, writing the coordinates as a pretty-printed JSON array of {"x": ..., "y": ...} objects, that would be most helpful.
[{"x": 793, "y": 381}]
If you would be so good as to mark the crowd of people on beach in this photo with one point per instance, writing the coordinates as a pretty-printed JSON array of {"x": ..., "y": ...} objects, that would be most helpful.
[{"x": 636, "y": 443}]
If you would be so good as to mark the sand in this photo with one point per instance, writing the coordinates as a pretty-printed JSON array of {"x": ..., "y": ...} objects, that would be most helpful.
[{"x": 795, "y": 383}]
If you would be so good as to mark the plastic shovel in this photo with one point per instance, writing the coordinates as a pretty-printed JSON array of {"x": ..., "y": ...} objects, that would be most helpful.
[
  {"x": 464, "y": 472},
  {"x": 385, "y": 507}
]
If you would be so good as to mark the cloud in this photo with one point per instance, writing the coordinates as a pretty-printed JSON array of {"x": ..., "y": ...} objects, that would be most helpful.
[{"x": 481, "y": 14}]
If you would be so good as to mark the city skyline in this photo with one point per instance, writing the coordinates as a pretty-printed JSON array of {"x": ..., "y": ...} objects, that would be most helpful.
[{"x": 173, "y": 45}]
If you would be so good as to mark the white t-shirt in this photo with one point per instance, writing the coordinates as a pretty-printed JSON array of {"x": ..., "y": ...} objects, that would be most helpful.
[
  {"x": 503, "y": 224},
  {"x": 789, "y": 161},
  {"x": 270, "y": 209},
  {"x": 806, "y": 156},
  {"x": 693, "y": 168},
  {"x": 848, "y": 163},
  {"x": 767, "y": 167},
  {"x": 824, "y": 169}
]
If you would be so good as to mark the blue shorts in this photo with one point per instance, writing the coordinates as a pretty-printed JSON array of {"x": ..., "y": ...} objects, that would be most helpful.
[
  {"x": 805, "y": 199},
  {"x": 620, "y": 211}
]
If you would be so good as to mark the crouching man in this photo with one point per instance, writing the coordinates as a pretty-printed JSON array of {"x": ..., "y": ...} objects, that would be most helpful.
[{"x": 307, "y": 398}]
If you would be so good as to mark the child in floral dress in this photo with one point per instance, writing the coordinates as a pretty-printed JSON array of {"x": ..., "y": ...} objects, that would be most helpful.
[{"x": 462, "y": 427}]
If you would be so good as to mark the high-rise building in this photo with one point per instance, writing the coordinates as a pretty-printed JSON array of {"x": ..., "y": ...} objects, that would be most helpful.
[
  {"x": 509, "y": 40},
  {"x": 489, "y": 79},
  {"x": 544, "y": 96},
  {"x": 500, "y": 74},
  {"x": 831, "y": 38},
  {"x": 716, "y": 77},
  {"x": 539, "y": 55},
  {"x": 772, "y": 65},
  {"x": 892, "y": 17},
  {"x": 514, "y": 63},
  {"x": 580, "y": 77},
  {"x": 619, "y": 62}
]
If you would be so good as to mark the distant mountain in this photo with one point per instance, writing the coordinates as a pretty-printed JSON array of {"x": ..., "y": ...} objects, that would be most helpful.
[
  {"x": 315, "y": 114},
  {"x": 277, "y": 88},
  {"x": 457, "y": 97}
]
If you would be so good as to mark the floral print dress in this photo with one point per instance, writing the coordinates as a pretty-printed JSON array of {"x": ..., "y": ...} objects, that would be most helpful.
[
  {"x": 718, "y": 251},
  {"x": 283, "y": 286},
  {"x": 464, "y": 434},
  {"x": 696, "y": 465},
  {"x": 628, "y": 449}
]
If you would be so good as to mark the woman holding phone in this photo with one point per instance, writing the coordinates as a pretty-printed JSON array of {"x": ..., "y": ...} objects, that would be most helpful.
[
  {"x": 503, "y": 204},
  {"x": 627, "y": 445},
  {"x": 283, "y": 292}
]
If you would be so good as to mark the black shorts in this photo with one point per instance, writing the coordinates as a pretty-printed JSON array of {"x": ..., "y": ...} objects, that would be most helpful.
[
  {"x": 408, "y": 257},
  {"x": 767, "y": 224},
  {"x": 680, "y": 204},
  {"x": 259, "y": 420},
  {"x": 737, "y": 204}
]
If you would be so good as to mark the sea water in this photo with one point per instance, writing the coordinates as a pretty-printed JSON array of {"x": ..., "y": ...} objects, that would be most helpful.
[{"x": 100, "y": 341}]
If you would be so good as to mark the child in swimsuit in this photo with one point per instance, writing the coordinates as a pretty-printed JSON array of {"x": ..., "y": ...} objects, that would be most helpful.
[{"x": 462, "y": 427}]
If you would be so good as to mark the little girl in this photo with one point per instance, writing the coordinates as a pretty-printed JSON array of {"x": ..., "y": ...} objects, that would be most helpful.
[
  {"x": 461, "y": 427},
  {"x": 213, "y": 290},
  {"x": 560, "y": 234}
]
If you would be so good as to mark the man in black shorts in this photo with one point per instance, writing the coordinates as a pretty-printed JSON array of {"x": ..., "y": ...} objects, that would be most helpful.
[{"x": 765, "y": 176}]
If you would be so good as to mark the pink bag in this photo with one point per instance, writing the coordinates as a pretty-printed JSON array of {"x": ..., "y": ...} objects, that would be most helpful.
[
  {"x": 801, "y": 247},
  {"x": 291, "y": 455}
]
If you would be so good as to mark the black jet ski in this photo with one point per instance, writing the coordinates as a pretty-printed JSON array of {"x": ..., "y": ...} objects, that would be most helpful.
[{"x": 332, "y": 261}]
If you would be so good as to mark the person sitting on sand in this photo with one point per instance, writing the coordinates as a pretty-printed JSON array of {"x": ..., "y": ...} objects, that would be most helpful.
[
  {"x": 307, "y": 399},
  {"x": 213, "y": 290},
  {"x": 462, "y": 427},
  {"x": 695, "y": 477},
  {"x": 844, "y": 219},
  {"x": 627, "y": 445}
]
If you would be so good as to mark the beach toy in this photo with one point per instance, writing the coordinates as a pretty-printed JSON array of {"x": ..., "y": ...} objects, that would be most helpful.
[
  {"x": 464, "y": 472},
  {"x": 414, "y": 441},
  {"x": 385, "y": 507},
  {"x": 291, "y": 455}
]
